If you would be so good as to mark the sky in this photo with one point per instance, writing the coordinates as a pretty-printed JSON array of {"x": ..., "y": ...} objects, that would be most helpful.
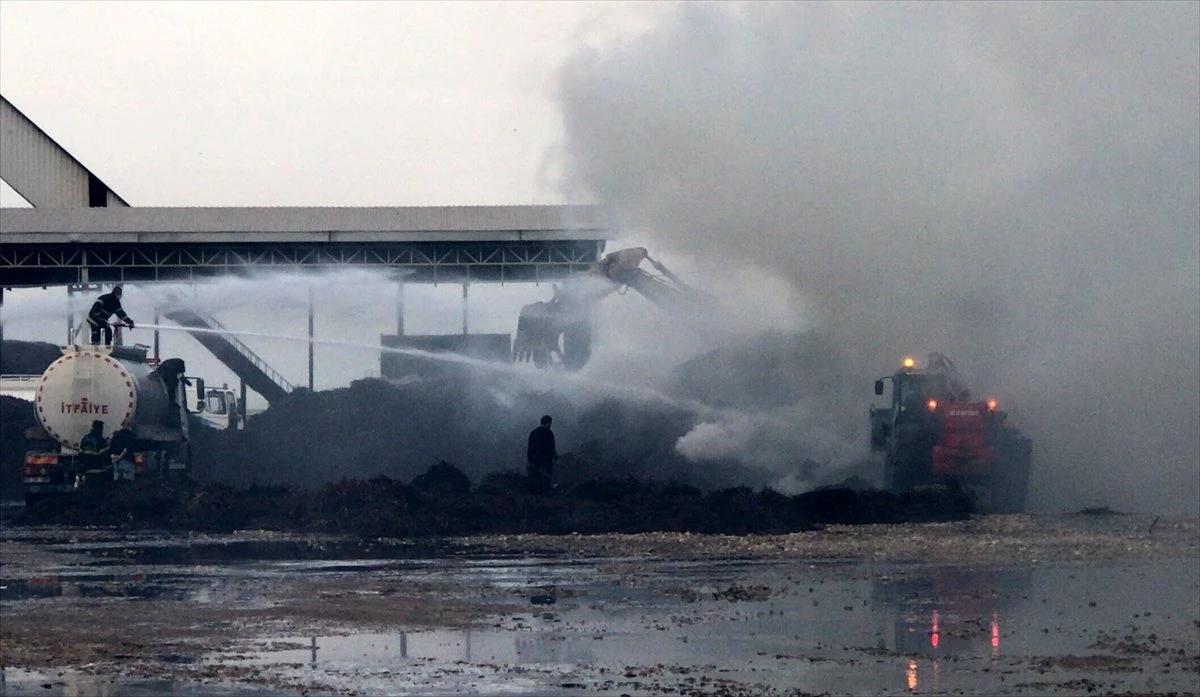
[
  {"x": 1016, "y": 185},
  {"x": 305, "y": 104}
]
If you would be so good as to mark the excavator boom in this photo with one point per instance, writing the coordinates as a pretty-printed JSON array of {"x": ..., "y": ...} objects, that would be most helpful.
[{"x": 559, "y": 330}]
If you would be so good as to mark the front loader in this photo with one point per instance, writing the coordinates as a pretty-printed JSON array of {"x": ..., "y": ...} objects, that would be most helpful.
[{"x": 934, "y": 434}]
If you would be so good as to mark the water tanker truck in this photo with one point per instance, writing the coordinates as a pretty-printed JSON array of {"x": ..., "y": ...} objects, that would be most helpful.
[{"x": 119, "y": 387}]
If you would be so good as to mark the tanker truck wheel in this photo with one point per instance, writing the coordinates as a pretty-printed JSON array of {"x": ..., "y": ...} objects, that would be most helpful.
[{"x": 184, "y": 454}]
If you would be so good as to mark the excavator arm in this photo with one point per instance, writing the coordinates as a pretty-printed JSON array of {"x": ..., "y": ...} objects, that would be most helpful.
[
  {"x": 666, "y": 290},
  {"x": 559, "y": 331}
]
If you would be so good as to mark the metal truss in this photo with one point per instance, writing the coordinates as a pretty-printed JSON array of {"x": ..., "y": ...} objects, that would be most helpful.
[{"x": 424, "y": 262}]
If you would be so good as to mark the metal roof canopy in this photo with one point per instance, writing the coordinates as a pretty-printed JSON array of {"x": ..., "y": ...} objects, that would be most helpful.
[{"x": 44, "y": 246}]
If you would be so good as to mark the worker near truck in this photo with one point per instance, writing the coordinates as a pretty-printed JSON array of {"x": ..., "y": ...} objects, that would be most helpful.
[
  {"x": 121, "y": 454},
  {"x": 92, "y": 450},
  {"x": 172, "y": 373},
  {"x": 541, "y": 455},
  {"x": 105, "y": 307}
]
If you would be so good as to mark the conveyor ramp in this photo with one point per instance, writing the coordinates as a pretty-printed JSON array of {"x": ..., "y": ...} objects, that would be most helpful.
[{"x": 238, "y": 357}]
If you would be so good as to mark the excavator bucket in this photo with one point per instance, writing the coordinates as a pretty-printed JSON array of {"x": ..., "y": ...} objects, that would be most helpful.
[
  {"x": 549, "y": 334},
  {"x": 537, "y": 336},
  {"x": 559, "y": 332}
]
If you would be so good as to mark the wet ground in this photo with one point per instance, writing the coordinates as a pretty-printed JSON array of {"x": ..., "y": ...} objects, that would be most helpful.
[{"x": 995, "y": 605}]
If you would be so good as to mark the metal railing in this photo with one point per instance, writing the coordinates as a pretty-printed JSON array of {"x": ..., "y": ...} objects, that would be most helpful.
[
  {"x": 243, "y": 349},
  {"x": 178, "y": 306}
]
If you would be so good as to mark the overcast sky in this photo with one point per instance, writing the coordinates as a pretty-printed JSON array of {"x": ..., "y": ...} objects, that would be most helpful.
[
  {"x": 1017, "y": 185},
  {"x": 306, "y": 104}
]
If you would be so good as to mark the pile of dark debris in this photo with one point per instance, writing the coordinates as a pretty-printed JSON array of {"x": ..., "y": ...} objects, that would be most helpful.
[
  {"x": 443, "y": 454},
  {"x": 443, "y": 501}
]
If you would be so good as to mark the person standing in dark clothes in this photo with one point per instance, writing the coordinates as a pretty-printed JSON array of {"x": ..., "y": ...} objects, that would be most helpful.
[
  {"x": 121, "y": 453},
  {"x": 541, "y": 455},
  {"x": 92, "y": 450},
  {"x": 171, "y": 371},
  {"x": 106, "y": 306}
]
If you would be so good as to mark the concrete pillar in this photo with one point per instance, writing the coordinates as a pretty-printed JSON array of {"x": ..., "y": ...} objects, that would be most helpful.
[
  {"x": 400, "y": 308},
  {"x": 93, "y": 290},
  {"x": 310, "y": 337},
  {"x": 464, "y": 307}
]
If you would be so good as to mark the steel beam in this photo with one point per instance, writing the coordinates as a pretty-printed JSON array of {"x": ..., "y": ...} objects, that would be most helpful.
[{"x": 42, "y": 171}]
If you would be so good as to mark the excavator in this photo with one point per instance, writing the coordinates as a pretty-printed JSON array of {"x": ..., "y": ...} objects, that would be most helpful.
[
  {"x": 558, "y": 332},
  {"x": 934, "y": 433}
]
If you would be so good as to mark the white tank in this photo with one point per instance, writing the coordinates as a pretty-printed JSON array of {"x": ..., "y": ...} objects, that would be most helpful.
[{"x": 89, "y": 384}]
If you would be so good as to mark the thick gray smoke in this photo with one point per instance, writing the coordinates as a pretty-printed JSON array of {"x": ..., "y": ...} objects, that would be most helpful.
[{"x": 1015, "y": 185}]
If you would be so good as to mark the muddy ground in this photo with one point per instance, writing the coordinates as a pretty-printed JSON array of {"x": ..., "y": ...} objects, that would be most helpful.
[{"x": 994, "y": 605}]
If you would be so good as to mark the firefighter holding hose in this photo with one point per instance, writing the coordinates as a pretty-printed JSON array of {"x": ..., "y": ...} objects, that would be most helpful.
[{"x": 106, "y": 306}]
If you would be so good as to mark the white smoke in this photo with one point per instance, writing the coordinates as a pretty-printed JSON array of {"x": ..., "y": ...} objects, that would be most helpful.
[
  {"x": 1015, "y": 185},
  {"x": 792, "y": 444}
]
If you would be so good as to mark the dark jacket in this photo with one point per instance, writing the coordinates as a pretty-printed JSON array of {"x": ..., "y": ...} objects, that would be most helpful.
[
  {"x": 92, "y": 450},
  {"x": 122, "y": 442},
  {"x": 541, "y": 446},
  {"x": 171, "y": 371},
  {"x": 106, "y": 306}
]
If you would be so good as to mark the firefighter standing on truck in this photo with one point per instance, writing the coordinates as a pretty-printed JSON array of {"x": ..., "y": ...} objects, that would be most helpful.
[{"x": 106, "y": 306}]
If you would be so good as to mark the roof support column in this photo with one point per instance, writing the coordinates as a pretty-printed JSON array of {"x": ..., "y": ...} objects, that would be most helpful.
[
  {"x": 464, "y": 307},
  {"x": 400, "y": 308},
  {"x": 310, "y": 336}
]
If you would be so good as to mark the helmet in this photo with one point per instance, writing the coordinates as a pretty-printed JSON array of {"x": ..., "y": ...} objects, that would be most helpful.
[
  {"x": 97, "y": 425},
  {"x": 116, "y": 290}
]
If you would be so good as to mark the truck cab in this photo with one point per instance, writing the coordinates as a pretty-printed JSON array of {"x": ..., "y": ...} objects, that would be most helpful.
[{"x": 216, "y": 407}]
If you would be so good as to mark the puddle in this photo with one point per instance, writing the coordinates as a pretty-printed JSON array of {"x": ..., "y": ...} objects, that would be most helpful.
[
  {"x": 910, "y": 629},
  {"x": 24, "y": 683},
  {"x": 632, "y": 625},
  {"x": 90, "y": 585}
]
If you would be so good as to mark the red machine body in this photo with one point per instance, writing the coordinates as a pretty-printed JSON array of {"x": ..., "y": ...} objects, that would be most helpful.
[
  {"x": 962, "y": 447},
  {"x": 934, "y": 433}
]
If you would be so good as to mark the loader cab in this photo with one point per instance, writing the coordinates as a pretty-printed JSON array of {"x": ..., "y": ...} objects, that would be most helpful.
[
  {"x": 915, "y": 394},
  {"x": 912, "y": 390}
]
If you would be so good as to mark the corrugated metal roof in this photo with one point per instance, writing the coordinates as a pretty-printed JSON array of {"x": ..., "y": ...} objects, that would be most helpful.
[{"x": 433, "y": 219}]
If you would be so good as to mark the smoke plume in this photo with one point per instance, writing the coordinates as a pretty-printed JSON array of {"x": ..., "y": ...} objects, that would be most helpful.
[{"x": 1016, "y": 186}]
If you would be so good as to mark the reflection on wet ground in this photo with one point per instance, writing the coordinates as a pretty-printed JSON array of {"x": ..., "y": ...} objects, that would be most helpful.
[
  {"x": 632, "y": 626},
  {"x": 935, "y": 631}
]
